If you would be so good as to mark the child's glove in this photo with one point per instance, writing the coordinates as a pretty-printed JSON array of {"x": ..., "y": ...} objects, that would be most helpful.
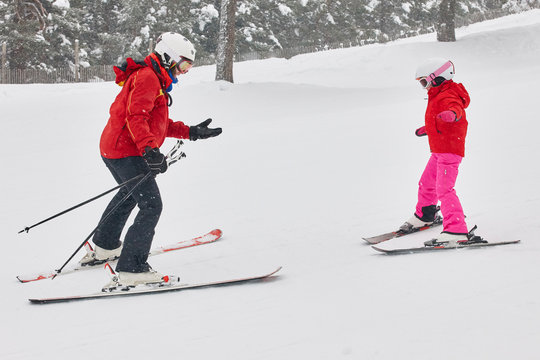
[
  {"x": 447, "y": 116},
  {"x": 421, "y": 131}
]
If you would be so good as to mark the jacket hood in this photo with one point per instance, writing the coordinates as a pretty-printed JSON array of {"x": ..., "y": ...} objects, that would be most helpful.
[
  {"x": 130, "y": 66},
  {"x": 127, "y": 68},
  {"x": 457, "y": 88},
  {"x": 463, "y": 94}
]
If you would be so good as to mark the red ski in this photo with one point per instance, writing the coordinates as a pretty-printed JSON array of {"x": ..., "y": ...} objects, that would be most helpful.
[{"x": 205, "y": 239}]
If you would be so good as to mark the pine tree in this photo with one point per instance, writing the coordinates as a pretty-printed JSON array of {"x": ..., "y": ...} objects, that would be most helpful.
[
  {"x": 419, "y": 17},
  {"x": 61, "y": 34},
  {"x": 202, "y": 26},
  {"x": 22, "y": 30},
  {"x": 41, "y": 33},
  {"x": 99, "y": 37}
]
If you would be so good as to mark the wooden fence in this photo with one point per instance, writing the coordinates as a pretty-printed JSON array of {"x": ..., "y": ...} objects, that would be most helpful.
[
  {"x": 100, "y": 73},
  {"x": 94, "y": 73}
]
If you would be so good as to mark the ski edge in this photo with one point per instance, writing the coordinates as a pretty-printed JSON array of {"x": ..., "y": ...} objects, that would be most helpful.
[
  {"x": 184, "y": 244},
  {"x": 429, "y": 249},
  {"x": 102, "y": 295}
]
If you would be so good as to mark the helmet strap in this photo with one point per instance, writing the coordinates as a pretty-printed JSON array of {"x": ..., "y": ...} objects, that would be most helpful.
[{"x": 166, "y": 61}]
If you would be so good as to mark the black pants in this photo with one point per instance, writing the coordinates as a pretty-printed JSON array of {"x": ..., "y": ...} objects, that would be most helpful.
[{"x": 139, "y": 236}]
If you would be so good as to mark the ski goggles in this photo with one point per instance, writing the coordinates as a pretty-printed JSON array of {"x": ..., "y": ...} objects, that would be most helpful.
[
  {"x": 183, "y": 65},
  {"x": 423, "y": 81}
]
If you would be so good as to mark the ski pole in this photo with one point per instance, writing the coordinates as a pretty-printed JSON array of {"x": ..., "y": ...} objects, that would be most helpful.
[
  {"x": 102, "y": 221},
  {"x": 27, "y": 229},
  {"x": 171, "y": 158}
]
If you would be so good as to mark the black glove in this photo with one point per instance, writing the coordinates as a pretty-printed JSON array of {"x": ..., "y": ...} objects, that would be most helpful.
[
  {"x": 155, "y": 159},
  {"x": 202, "y": 131}
]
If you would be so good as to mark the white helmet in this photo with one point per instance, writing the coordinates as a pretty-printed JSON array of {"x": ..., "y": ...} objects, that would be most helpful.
[
  {"x": 172, "y": 47},
  {"x": 435, "y": 67}
]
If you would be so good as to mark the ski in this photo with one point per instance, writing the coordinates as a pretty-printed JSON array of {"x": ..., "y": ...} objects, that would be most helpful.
[
  {"x": 204, "y": 239},
  {"x": 149, "y": 290},
  {"x": 438, "y": 248},
  {"x": 398, "y": 233}
]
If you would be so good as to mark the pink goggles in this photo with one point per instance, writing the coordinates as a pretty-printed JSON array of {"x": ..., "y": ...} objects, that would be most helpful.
[{"x": 423, "y": 81}]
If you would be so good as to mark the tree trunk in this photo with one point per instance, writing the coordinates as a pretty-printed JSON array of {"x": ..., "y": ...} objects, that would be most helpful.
[
  {"x": 446, "y": 27},
  {"x": 226, "y": 47},
  {"x": 76, "y": 53},
  {"x": 4, "y": 63}
]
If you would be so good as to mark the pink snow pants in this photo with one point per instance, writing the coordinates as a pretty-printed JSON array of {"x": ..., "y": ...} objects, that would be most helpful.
[{"x": 437, "y": 183}]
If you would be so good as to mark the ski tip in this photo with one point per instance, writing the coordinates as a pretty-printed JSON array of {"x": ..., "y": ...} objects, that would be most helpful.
[
  {"x": 53, "y": 300},
  {"x": 378, "y": 249},
  {"x": 270, "y": 274},
  {"x": 374, "y": 241},
  {"x": 27, "y": 280},
  {"x": 514, "y": 242},
  {"x": 217, "y": 232},
  {"x": 275, "y": 271}
]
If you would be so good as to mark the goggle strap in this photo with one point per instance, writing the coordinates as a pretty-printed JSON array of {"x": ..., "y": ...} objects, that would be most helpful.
[{"x": 439, "y": 71}]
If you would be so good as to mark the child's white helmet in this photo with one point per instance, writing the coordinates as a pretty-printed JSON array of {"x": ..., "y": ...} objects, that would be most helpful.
[
  {"x": 172, "y": 47},
  {"x": 433, "y": 68}
]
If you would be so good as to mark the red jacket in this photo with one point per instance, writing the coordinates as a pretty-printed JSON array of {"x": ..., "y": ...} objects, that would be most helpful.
[
  {"x": 447, "y": 137},
  {"x": 139, "y": 116}
]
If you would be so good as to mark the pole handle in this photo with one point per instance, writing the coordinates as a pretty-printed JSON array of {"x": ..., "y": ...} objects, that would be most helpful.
[{"x": 174, "y": 155}]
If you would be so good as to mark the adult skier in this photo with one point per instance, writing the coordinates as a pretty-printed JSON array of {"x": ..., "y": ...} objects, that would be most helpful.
[
  {"x": 446, "y": 128},
  {"x": 138, "y": 125}
]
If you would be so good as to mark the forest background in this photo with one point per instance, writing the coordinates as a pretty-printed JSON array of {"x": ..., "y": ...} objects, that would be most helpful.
[{"x": 40, "y": 34}]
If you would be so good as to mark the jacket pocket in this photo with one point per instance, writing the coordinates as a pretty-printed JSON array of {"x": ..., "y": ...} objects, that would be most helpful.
[{"x": 117, "y": 141}]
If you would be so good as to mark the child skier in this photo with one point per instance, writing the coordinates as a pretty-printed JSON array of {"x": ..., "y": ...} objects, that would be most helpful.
[
  {"x": 138, "y": 125},
  {"x": 446, "y": 128}
]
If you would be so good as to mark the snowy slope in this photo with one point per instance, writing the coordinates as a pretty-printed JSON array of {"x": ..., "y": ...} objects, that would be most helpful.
[{"x": 317, "y": 151}]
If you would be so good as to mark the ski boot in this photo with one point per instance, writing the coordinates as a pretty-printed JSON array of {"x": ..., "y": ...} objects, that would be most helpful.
[
  {"x": 125, "y": 281},
  {"x": 98, "y": 255},
  {"x": 429, "y": 217}
]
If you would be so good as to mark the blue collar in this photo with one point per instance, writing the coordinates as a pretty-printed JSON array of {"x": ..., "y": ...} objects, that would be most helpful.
[{"x": 174, "y": 81}]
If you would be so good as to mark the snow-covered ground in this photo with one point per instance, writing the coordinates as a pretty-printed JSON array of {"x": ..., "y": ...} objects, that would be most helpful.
[{"x": 316, "y": 152}]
